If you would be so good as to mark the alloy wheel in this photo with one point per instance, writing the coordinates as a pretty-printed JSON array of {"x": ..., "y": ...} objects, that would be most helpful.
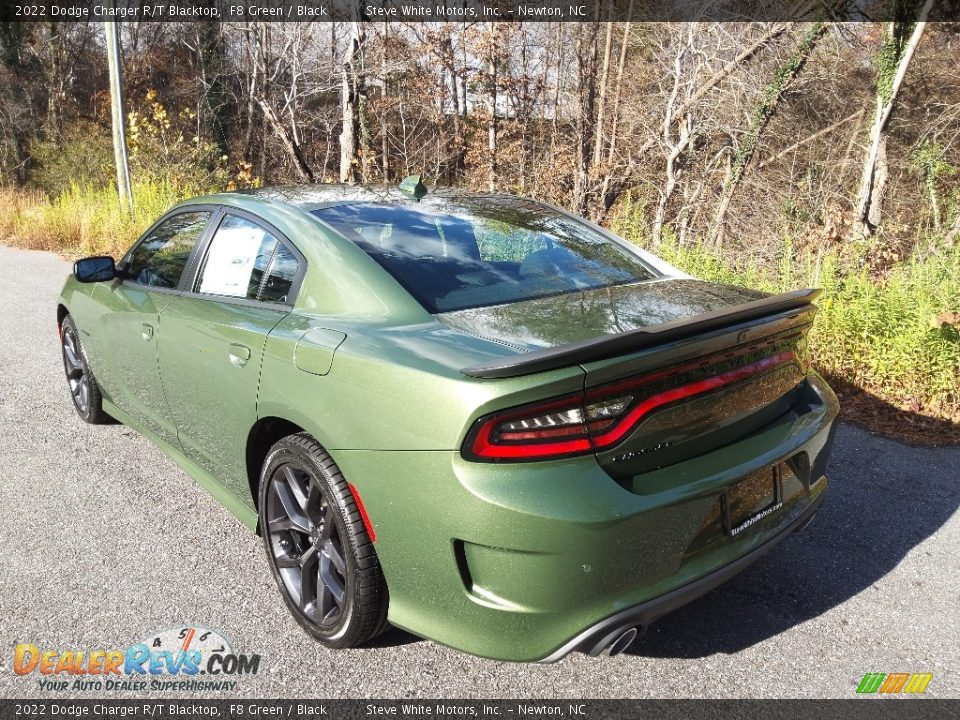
[
  {"x": 306, "y": 545},
  {"x": 76, "y": 370}
]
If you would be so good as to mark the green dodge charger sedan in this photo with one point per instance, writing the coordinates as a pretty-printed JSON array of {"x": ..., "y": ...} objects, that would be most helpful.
[{"x": 472, "y": 416}]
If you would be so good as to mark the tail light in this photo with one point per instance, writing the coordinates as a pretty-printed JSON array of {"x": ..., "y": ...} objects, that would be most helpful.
[{"x": 600, "y": 418}]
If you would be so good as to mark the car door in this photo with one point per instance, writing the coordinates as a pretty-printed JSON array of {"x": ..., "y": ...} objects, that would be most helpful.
[
  {"x": 149, "y": 281},
  {"x": 213, "y": 340}
]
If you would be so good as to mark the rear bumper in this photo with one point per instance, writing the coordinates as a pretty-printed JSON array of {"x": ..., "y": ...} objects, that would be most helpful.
[
  {"x": 529, "y": 561},
  {"x": 594, "y": 640}
]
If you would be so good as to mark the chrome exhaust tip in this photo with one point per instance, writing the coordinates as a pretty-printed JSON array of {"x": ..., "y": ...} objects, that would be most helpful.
[{"x": 620, "y": 642}]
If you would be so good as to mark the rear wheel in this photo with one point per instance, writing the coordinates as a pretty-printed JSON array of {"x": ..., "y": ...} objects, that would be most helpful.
[
  {"x": 84, "y": 390},
  {"x": 318, "y": 548}
]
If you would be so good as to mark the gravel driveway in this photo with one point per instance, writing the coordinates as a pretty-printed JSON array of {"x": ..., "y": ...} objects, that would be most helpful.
[{"x": 105, "y": 540}]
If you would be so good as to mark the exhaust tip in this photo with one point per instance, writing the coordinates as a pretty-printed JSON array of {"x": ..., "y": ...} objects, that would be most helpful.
[
  {"x": 621, "y": 642},
  {"x": 803, "y": 526}
]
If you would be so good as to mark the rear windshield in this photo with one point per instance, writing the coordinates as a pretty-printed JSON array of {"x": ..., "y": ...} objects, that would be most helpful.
[{"x": 484, "y": 251}]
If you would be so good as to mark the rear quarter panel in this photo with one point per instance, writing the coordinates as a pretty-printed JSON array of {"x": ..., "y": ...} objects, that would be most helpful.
[{"x": 389, "y": 387}]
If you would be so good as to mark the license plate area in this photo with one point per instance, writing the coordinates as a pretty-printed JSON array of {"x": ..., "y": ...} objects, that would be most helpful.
[{"x": 753, "y": 498}]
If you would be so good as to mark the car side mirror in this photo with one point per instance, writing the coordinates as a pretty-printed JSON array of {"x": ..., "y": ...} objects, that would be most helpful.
[{"x": 94, "y": 269}]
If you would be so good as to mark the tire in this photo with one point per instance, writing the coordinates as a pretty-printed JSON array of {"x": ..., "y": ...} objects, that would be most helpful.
[
  {"x": 317, "y": 545},
  {"x": 84, "y": 390}
]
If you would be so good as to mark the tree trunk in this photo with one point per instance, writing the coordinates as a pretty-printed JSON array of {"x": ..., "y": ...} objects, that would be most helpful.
[
  {"x": 587, "y": 89},
  {"x": 810, "y": 138},
  {"x": 492, "y": 119},
  {"x": 115, "y": 61},
  {"x": 602, "y": 99},
  {"x": 289, "y": 143},
  {"x": 458, "y": 139},
  {"x": 870, "y": 197},
  {"x": 674, "y": 150},
  {"x": 252, "y": 55},
  {"x": 212, "y": 58},
  {"x": 618, "y": 91},
  {"x": 605, "y": 190},
  {"x": 556, "y": 91},
  {"x": 384, "y": 94},
  {"x": 351, "y": 109}
]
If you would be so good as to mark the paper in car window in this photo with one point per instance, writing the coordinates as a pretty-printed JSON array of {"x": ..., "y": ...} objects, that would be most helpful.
[{"x": 233, "y": 253}]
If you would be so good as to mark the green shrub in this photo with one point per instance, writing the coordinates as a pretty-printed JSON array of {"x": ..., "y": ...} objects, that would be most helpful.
[{"x": 84, "y": 156}]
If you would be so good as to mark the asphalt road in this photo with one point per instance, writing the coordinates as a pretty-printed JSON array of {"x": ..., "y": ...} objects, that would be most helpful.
[{"x": 105, "y": 540}]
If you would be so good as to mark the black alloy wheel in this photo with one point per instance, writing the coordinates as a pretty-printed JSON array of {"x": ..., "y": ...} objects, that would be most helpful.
[
  {"x": 84, "y": 390},
  {"x": 319, "y": 550}
]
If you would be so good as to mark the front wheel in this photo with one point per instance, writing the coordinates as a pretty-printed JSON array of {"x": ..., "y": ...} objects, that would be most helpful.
[
  {"x": 84, "y": 390},
  {"x": 318, "y": 548}
]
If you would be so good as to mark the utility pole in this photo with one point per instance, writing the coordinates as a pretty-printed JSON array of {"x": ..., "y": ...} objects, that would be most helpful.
[{"x": 112, "y": 30}]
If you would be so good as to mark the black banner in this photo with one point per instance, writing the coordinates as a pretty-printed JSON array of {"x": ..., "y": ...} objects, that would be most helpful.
[
  {"x": 473, "y": 10},
  {"x": 159, "y": 709}
]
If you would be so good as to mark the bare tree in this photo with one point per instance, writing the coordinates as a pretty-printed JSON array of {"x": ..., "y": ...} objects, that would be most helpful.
[
  {"x": 773, "y": 93},
  {"x": 353, "y": 93},
  {"x": 875, "y": 171}
]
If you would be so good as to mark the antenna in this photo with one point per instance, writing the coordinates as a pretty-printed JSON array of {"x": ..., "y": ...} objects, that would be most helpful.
[{"x": 413, "y": 185}]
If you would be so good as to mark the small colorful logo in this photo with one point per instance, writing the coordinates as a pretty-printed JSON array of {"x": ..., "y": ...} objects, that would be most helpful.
[
  {"x": 894, "y": 683},
  {"x": 180, "y": 658}
]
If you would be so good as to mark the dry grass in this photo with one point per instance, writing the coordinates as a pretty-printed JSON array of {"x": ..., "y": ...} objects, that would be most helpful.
[{"x": 81, "y": 221}]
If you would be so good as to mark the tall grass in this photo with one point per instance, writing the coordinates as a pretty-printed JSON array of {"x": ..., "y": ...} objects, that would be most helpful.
[
  {"x": 882, "y": 334},
  {"x": 82, "y": 220}
]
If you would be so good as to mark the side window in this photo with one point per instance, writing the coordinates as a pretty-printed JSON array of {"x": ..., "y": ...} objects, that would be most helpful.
[
  {"x": 280, "y": 277},
  {"x": 239, "y": 255},
  {"x": 159, "y": 260}
]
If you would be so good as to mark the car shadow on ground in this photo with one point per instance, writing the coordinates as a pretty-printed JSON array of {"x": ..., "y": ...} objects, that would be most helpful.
[
  {"x": 393, "y": 637},
  {"x": 884, "y": 499}
]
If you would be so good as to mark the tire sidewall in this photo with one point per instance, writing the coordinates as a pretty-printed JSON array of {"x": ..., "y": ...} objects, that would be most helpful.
[
  {"x": 68, "y": 325},
  {"x": 283, "y": 453}
]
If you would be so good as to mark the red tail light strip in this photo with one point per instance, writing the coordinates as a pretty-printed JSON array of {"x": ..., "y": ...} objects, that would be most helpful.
[
  {"x": 484, "y": 447},
  {"x": 700, "y": 387}
]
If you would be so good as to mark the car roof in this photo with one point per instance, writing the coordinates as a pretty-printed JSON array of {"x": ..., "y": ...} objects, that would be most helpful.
[{"x": 313, "y": 197}]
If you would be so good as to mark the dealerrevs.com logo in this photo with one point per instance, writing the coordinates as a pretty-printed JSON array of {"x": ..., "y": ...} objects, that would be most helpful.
[{"x": 193, "y": 659}]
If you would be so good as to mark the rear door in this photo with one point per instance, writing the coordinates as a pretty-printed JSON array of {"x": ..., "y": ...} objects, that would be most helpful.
[
  {"x": 213, "y": 340},
  {"x": 152, "y": 271}
]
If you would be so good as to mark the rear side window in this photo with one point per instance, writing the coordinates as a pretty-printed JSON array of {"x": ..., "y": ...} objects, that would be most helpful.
[
  {"x": 474, "y": 251},
  {"x": 283, "y": 269},
  {"x": 159, "y": 260},
  {"x": 244, "y": 260}
]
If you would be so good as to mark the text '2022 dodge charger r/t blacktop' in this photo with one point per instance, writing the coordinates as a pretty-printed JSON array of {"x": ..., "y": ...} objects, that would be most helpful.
[{"x": 472, "y": 416}]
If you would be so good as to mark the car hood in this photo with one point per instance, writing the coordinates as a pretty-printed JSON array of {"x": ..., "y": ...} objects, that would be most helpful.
[{"x": 572, "y": 317}]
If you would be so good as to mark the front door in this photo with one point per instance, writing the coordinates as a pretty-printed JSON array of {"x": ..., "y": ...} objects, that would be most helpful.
[
  {"x": 213, "y": 340},
  {"x": 132, "y": 307}
]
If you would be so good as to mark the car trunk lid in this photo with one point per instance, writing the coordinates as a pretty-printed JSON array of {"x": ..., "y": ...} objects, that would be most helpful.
[
  {"x": 681, "y": 368},
  {"x": 560, "y": 320}
]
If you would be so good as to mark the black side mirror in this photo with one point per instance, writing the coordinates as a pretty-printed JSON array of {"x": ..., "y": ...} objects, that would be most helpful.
[{"x": 94, "y": 269}]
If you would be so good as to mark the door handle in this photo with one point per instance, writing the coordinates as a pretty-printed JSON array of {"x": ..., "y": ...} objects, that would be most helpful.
[
  {"x": 239, "y": 354},
  {"x": 146, "y": 331}
]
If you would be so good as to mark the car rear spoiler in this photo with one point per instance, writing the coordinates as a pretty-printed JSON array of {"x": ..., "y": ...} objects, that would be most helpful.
[{"x": 631, "y": 341}]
